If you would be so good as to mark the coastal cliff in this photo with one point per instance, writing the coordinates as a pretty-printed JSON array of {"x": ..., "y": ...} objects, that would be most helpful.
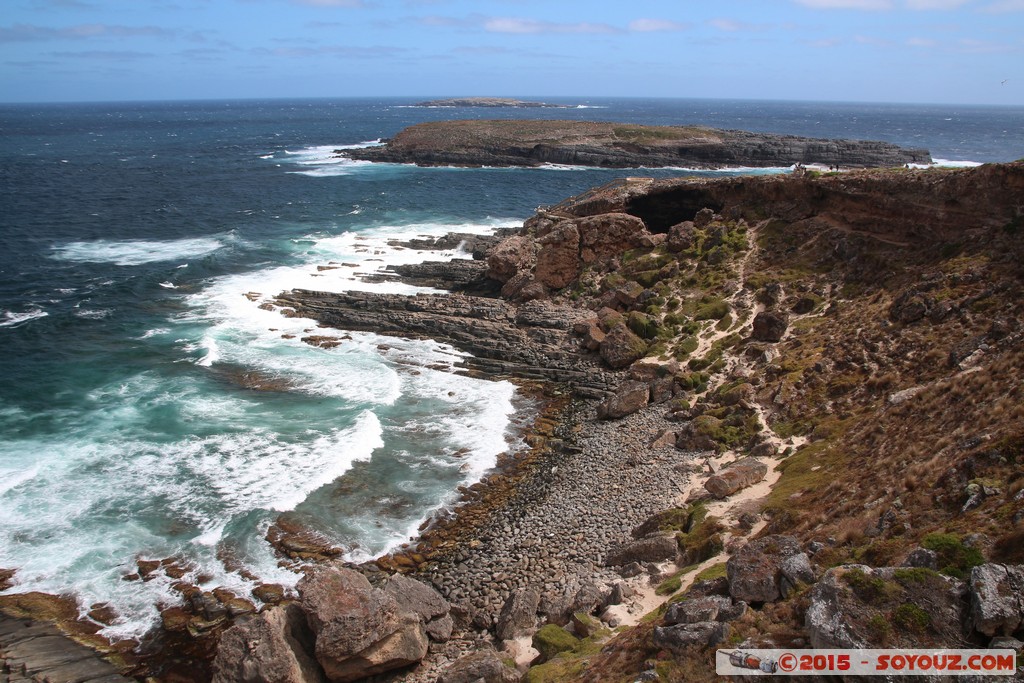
[
  {"x": 776, "y": 411},
  {"x": 614, "y": 145},
  {"x": 810, "y": 417}
]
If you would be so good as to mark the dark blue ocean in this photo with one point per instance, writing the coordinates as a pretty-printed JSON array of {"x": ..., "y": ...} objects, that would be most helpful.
[{"x": 137, "y": 244}]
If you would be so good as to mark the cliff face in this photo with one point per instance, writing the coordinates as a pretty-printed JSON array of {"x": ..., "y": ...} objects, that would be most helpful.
[
  {"x": 613, "y": 145},
  {"x": 859, "y": 337}
]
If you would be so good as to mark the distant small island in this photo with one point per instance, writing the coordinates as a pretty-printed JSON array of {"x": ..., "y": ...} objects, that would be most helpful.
[
  {"x": 477, "y": 143},
  {"x": 493, "y": 102}
]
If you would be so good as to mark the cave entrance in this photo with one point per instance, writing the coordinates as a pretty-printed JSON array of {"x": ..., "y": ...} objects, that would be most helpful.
[{"x": 661, "y": 210}]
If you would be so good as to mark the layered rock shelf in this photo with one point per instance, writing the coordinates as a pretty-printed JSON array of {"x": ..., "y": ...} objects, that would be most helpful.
[{"x": 619, "y": 145}]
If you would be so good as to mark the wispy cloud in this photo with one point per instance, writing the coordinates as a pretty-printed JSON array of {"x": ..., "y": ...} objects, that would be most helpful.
[
  {"x": 1004, "y": 7},
  {"x": 936, "y": 4},
  {"x": 534, "y": 26},
  {"x": 106, "y": 55},
  {"x": 847, "y": 4},
  {"x": 652, "y": 25},
  {"x": 733, "y": 25},
  {"x": 31, "y": 32},
  {"x": 344, "y": 51},
  {"x": 922, "y": 42}
]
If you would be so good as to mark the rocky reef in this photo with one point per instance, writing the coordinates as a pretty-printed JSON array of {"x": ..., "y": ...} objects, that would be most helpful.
[{"x": 620, "y": 145}]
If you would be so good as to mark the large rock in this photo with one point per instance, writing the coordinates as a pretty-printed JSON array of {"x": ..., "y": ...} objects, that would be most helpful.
[
  {"x": 621, "y": 347},
  {"x": 558, "y": 260},
  {"x": 681, "y": 237},
  {"x": 824, "y": 618},
  {"x": 484, "y": 665},
  {"x": 997, "y": 598},
  {"x": 681, "y": 636},
  {"x": 423, "y": 600},
  {"x": 739, "y": 475},
  {"x": 754, "y": 571},
  {"x": 518, "y": 614},
  {"x": 855, "y": 606},
  {"x": 360, "y": 630},
  {"x": 795, "y": 570},
  {"x": 630, "y": 397},
  {"x": 610, "y": 234},
  {"x": 769, "y": 327},
  {"x": 910, "y": 306},
  {"x": 695, "y": 610},
  {"x": 509, "y": 257},
  {"x": 274, "y": 646},
  {"x": 650, "y": 549}
]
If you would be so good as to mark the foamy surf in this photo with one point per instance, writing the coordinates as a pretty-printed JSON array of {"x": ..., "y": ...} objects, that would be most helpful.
[
  {"x": 12, "y": 319},
  {"x": 136, "y": 252},
  {"x": 321, "y": 161}
]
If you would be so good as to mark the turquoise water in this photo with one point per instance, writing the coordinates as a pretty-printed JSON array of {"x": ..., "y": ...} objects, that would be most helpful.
[{"x": 130, "y": 237}]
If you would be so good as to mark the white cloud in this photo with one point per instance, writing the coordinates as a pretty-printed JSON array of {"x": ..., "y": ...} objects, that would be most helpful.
[
  {"x": 921, "y": 42},
  {"x": 726, "y": 24},
  {"x": 847, "y": 4},
  {"x": 1004, "y": 7},
  {"x": 732, "y": 25},
  {"x": 651, "y": 25},
  {"x": 935, "y": 4},
  {"x": 824, "y": 42},
  {"x": 533, "y": 26}
]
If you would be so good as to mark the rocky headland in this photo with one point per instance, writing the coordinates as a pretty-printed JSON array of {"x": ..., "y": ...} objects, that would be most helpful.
[
  {"x": 620, "y": 145},
  {"x": 775, "y": 411},
  {"x": 491, "y": 102}
]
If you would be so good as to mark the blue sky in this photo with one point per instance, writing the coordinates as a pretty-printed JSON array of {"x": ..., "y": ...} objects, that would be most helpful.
[{"x": 943, "y": 51}]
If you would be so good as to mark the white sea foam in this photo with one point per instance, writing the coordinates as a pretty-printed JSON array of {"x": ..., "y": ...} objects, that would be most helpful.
[
  {"x": 136, "y": 252},
  {"x": 92, "y": 313},
  {"x": 323, "y": 160},
  {"x": 949, "y": 163},
  {"x": 162, "y": 466},
  {"x": 156, "y": 331},
  {"x": 12, "y": 319}
]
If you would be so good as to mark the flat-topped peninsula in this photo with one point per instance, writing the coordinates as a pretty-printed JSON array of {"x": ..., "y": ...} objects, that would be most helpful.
[
  {"x": 621, "y": 145},
  {"x": 493, "y": 102}
]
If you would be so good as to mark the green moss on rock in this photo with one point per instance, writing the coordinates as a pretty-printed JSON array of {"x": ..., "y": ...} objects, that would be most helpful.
[{"x": 549, "y": 640}]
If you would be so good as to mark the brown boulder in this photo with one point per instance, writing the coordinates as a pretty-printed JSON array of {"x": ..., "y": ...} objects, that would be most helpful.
[
  {"x": 518, "y": 614},
  {"x": 360, "y": 631},
  {"x": 610, "y": 234},
  {"x": 510, "y": 256},
  {"x": 680, "y": 237},
  {"x": 756, "y": 571},
  {"x": 523, "y": 287},
  {"x": 621, "y": 347},
  {"x": 423, "y": 600},
  {"x": 769, "y": 327},
  {"x": 739, "y": 475},
  {"x": 484, "y": 665},
  {"x": 274, "y": 646},
  {"x": 558, "y": 261},
  {"x": 648, "y": 549},
  {"x": 630, "y": 397}
]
